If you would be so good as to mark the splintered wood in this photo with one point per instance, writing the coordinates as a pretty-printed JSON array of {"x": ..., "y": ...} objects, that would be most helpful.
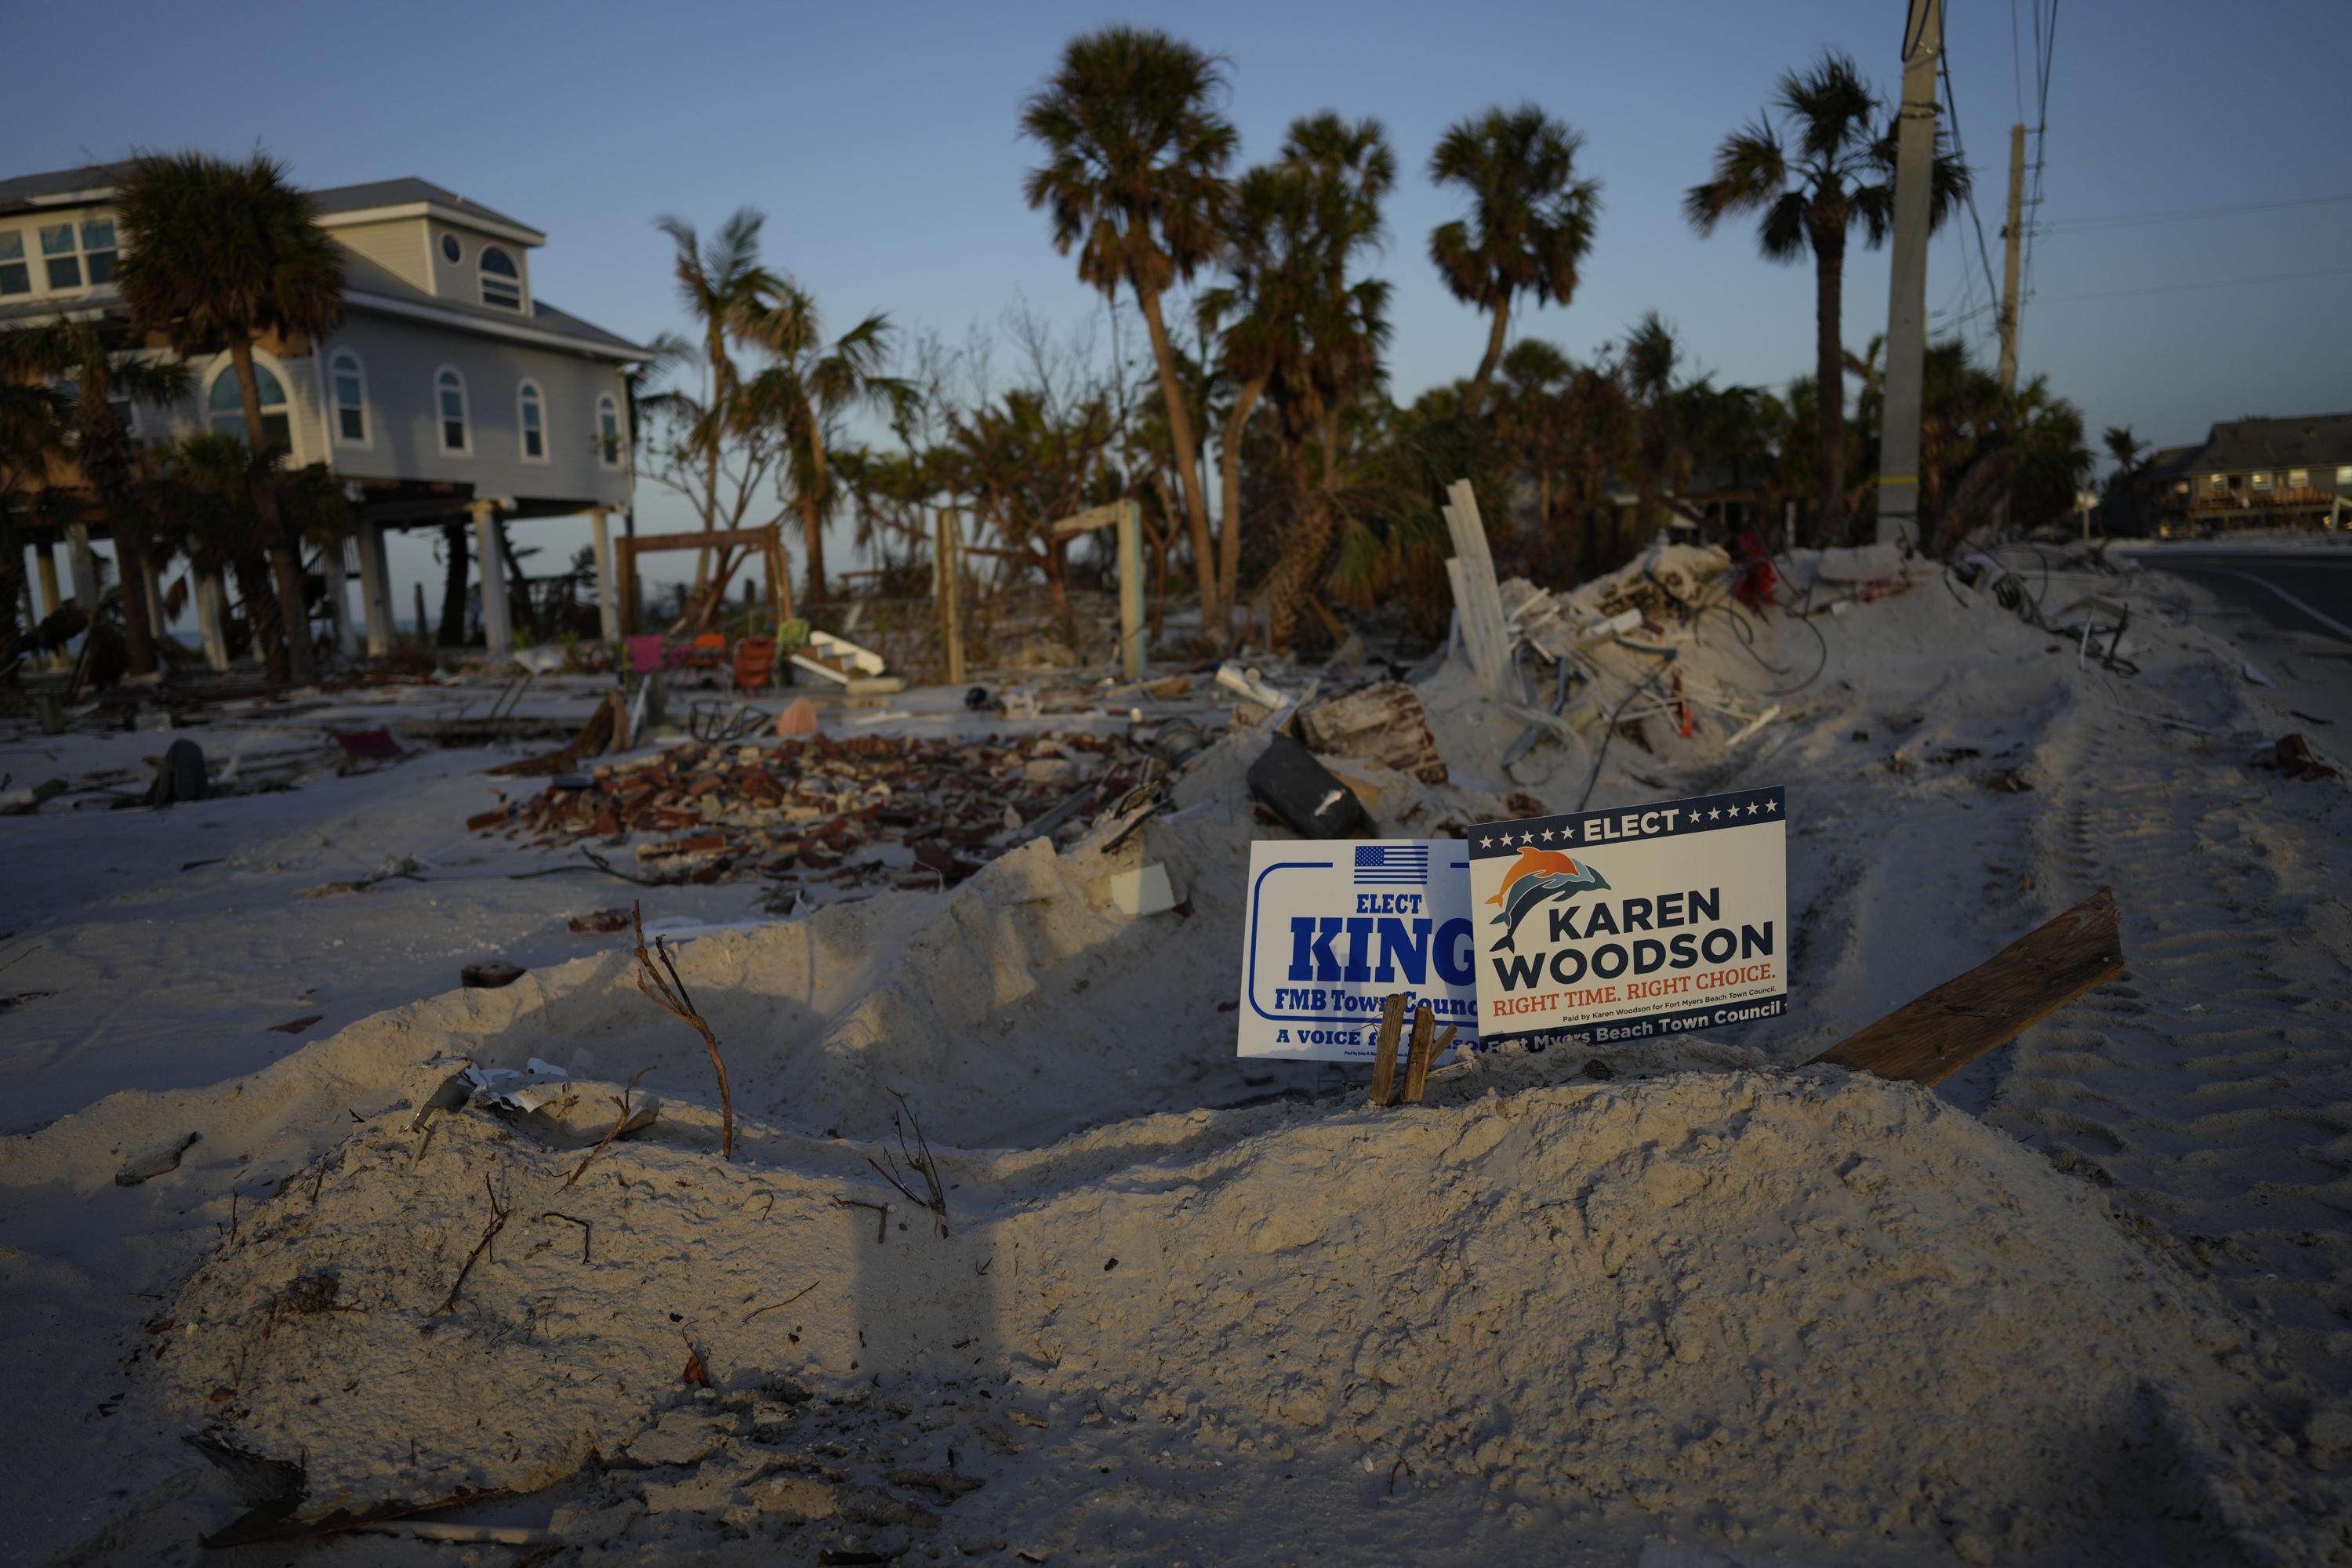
[
  {"x": 1428, "y": 1045},
  {"x": 1935, "y": 1035},
  {"x": 1384, "y": 1058}
]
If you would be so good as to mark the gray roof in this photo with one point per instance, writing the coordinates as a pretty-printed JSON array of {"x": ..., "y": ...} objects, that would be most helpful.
[
  {"x": 21, "y": 191},
  {"x": 402, "y": 192},
  {"x": 364, "y": 276},
  {"x": 2307, "y": 441},
  {"x": 24, "y": 189}
]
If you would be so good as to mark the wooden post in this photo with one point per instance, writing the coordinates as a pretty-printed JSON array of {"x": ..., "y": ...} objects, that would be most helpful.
[
  {"x": 1384, "y": 1061},
  {"x": 608, "y": 594},
  {"x": 1929, "y": 1039},
  {"x": 423, "y": 627},
  {"x": 339, "y": 596},
  {"x": 1130, "y": 590},
  {"x": 491, "y": 571},
  {"x": 624, "y": 570},
  {"x": 1424, "y": 1052},
  {"x": 375, "y": 593},
  {"x": 950, "y": 572},
  {"x": 212, "y": 619}
]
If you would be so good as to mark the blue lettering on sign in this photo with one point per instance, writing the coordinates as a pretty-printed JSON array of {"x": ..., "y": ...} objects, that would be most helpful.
[{"x": 1401, "y": 948}]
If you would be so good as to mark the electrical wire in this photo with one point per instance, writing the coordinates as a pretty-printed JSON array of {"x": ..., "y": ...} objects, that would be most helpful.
[
  {"x": 2184, "y": 214},
  {"x": 2209, "y": 283}
]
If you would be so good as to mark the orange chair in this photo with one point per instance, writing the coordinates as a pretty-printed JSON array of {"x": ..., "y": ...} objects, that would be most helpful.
[
  {"x": 755, "y": 663},
  {"x": 707, "y": 652}
]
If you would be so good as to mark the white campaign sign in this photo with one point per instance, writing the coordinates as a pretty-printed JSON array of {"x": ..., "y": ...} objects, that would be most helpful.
[
  {"x": 1336, "y": 927},
  {"x": 1632, "y": 923}
]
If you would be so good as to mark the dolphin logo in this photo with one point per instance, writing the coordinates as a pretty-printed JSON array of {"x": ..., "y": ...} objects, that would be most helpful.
[{"x": 1539, "y": 876}]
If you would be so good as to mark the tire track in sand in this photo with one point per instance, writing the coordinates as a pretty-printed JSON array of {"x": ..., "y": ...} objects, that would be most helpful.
[{"x": 2211, "y": 1088}]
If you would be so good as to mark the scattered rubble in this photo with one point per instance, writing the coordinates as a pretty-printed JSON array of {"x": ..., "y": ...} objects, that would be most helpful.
[{"x": 918, "y": 813}]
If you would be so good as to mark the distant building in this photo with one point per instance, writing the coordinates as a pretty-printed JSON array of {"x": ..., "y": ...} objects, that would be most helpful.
[
  {"x": 2258, "y": 473},
  {"x": 450, "y": 390}
]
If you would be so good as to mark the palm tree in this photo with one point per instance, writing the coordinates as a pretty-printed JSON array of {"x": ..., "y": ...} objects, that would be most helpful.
[
  {"x": 724, "y": 286},
  {"x": 100, "y": 381},
  {"x": 1134, "y": 178},
  {"x": 216, "y": 255},
  {"x": 1530, "y": 223},
  {"x": 1839, "y": 171},
  {"x": 205, "y": 492},
  {"x": 809, "y": 384},
  {"x": 1299, "y": 332}
]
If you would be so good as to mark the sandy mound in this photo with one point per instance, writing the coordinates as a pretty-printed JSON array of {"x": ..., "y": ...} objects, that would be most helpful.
[{"x": 1764, "y": 1304}]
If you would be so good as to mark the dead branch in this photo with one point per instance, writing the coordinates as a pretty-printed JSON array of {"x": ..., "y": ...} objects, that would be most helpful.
[
  {"x": 673, "y": 997},
  {"x": 621, "y": 1100},
  {"x": 917, "y": 1159},
  {"x": 785, "y": 1302},
  {"x": 587, "y": 1231},
  {"x": 882, "y": 1225},
  {"x": 499, "y": 1213}
]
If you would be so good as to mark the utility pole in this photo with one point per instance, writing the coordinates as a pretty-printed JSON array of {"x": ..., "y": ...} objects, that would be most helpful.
[
  {"x": 1906, "y": 306},
  {"x": 2014, "y": 234}
]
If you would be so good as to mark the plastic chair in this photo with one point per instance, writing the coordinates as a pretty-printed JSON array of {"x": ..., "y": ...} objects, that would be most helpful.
[
  {"x": 708, "y": 651},
  {"x": 755, "y": 663},
  {"x": 646, "y": 654}
]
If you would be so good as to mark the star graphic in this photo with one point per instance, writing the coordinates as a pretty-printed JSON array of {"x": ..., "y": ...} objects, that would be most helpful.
[
  {"x": 1527, "y": 839},
  {"x": 1713, "y": 814},
  {"x": 1547, "y": 835},
  {"x": 1569, "y": 833},
  {"x": 1486, "y": 844},
  {"x": 1770, "y": 806},
  {"x": 1751, "y": 808}
]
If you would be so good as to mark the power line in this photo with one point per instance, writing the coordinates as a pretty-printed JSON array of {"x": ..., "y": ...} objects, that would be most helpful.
[
  {"x": 1952, "y": 101},
  {"x": 2209, "y": 283},
  {"x": 2183, "y": 215}
]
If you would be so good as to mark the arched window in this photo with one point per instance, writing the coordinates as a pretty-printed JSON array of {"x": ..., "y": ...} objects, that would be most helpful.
[
  {"x": 449, "y": 399},
  {"x": 224, "y": 406},
  {"x": 531, "y": 419},
  {"x": 608, "y": 432},
  {"x": 501, "y": 284},
  {"x": 347, "y": 379}
]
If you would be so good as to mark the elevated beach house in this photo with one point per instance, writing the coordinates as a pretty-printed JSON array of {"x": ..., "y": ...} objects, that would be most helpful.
[{"x": 450, "y": 391}]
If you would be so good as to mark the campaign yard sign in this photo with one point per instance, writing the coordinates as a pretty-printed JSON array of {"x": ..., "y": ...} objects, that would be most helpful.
[
  {"x": 1337, "y": 927},
  {"x": 1631, "y": 923}
]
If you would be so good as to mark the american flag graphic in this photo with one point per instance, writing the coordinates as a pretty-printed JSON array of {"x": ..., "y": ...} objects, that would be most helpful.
[{"x": 1393, "y": 865}]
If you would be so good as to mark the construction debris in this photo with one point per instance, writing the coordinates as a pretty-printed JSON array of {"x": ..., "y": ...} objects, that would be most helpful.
[
  {"x": 919, "y": 812},
  {"x": 1382, "y": 725}
]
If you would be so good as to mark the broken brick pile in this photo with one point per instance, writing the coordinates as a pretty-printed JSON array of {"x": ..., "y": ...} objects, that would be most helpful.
[{"x": 919, "y": 812}]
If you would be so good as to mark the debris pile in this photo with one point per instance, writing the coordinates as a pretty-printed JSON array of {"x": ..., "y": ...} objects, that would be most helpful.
[{"x": 915, "y": 813}]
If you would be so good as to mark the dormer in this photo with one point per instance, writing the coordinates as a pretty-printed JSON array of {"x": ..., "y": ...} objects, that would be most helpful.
[{"x": 437, "y": 241}]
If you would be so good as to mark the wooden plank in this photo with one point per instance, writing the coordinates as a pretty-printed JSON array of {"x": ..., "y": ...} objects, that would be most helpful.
[
  {"x": 951, "y": 591},
  {"x": 1471, "y": 572},
  {"x": 1384, "y": 1059},
  {"x": 1935, "y": 1036},
  {"x": 1424, "y": 1052},
  {"x": 719, "y": 539},
  {"x": 1093, "y": 517}
]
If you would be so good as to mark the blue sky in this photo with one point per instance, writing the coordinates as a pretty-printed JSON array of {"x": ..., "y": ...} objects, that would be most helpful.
[{"x": 881, "y": 143}]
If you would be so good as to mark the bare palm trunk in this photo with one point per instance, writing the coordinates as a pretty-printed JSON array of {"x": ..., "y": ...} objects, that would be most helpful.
[
  {"x": 301, "y": 665},
  {"x": 130, "y": 557},
  {"x": 1292, "y": 583},
  {"x": 262, "y": 618},
  {"x": 1228, "y": 565},
  {"x": 1496, "y": 330},
  {"x": 813, "y": 517},
  {"x": 1829, "y": 370},
  {"x": 1186, "y": 452},
  {"x": 452, "y": 630}
]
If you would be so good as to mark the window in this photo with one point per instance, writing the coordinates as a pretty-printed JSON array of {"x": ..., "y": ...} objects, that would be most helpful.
[
  {"x": 2297, "y": 477},
  {"x": 451, "y": 249},
  {"x": 81, "y": 254},
  {"x": 2344, "y": 473},
  {"x": 608, "y": 432},
  {"x": 2262, "y": 482},
  {"x": 2220, "y": 482},
  {"x": 501, "y": 284},
  {"x": 224, "y": 406},
  {"x": 349, "y": 386},
  {"x": 16, "y": 272},
  {"x": 449, "y": 396},
  {"x": 531, "y": 420}
]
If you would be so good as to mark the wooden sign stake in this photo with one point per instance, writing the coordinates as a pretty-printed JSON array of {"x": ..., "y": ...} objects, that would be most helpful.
[{"x": 1384, "y": 1062}]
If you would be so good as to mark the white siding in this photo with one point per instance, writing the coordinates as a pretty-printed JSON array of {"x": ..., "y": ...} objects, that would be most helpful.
[
  {"x": 401, "y": 359},
  {"x": 461, "y": 281},
  {"x": 399, "y": 247}
]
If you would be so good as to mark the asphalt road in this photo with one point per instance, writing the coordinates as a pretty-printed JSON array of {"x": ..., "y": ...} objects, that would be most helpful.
[{"x": 2292, "y": 593}]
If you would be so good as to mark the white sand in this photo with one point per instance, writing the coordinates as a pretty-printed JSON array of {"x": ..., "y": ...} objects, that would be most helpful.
[{"x": 1770, "y": 1315}]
